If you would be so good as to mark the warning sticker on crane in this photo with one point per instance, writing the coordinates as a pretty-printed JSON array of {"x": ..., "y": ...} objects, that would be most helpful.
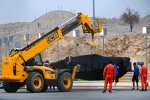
[{"x": 52, "y": 37}]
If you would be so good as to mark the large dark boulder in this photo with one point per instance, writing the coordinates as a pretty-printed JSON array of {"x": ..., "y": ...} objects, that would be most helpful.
[{"x": 92, "y": 66}]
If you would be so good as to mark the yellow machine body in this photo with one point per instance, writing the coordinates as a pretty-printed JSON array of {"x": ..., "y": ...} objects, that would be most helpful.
[{"x": 14, "y": 66}]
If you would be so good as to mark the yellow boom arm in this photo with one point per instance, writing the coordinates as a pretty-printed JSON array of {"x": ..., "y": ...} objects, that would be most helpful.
[{"x": 13, "y": 66}]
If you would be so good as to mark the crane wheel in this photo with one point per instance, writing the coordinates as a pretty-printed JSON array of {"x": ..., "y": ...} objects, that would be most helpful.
[
  {"x": 10, "y": 87},
  {"x": 45, "y": 87},
  {"x": 35, "y": 82},
  {"x": 64, "y": 82}
]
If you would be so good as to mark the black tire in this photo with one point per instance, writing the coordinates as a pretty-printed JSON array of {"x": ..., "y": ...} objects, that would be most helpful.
[
  {"x": 10, "y": 87},
  {"x": 61, "y": 82},
  {"x": 45, "y": 87},
  {"x": 34, "y": 85}
]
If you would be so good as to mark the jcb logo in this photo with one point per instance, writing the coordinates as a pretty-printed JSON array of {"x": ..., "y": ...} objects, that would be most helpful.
[{"x": 52, "y": 37}]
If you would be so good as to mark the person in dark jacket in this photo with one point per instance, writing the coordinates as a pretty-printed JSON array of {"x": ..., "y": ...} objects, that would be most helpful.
[
  {"x": 135, "y": 76},
  {"x": 116, "y": 80}
]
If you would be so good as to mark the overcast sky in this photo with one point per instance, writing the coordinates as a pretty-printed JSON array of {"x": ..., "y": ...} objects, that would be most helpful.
[{"x": 27, "y": 10}]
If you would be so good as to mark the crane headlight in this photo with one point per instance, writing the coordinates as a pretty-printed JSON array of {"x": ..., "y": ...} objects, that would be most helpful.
[
  {"x": 48, "y": 71},
  {"x": 6, "y": 62}
]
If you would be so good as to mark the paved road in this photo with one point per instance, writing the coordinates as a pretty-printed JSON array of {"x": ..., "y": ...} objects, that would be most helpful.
[{"x": 78, "y": 94}]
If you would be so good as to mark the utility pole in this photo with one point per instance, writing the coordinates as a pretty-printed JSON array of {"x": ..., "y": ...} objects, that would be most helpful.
[
  {"x": 58, "y": 58},
  {"x": 93, "y": 45},
  {"x": 146, "y": 31},
  {"x": 103, "y": 43},
  {"x": 146, "y": 51},
  {"x": 93, "y": 9},
  {"x": 57, "y": 46}
]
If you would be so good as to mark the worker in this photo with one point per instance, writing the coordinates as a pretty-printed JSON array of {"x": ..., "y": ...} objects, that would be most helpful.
[
  {"x": 135, "y": 76},
  {"x": 116, "y": 80},
  {"x": 143, "y": 75},
  {"x": 108, "y": 74}
]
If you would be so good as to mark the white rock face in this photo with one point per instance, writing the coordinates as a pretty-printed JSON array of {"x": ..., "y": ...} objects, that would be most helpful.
[{"x": 119, "y": 41}]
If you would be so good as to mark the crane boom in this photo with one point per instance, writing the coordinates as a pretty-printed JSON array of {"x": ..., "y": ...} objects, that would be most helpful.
[
  {"x": 39, "y": 45},
  {"x": 25, "y": 67}
]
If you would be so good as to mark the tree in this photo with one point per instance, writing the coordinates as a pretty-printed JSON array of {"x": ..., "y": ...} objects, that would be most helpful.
[{"x": 130, "y": 17}]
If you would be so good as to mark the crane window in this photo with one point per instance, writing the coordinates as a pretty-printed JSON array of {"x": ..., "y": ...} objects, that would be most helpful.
[
  {"x": 34, "y": 61},
  {"x": 38, "y": 60}
]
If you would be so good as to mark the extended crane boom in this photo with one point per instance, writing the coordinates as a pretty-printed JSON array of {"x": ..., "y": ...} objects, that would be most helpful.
[
  {"x": 39, "y": 45},
  {"x": 25, "y": 67}
]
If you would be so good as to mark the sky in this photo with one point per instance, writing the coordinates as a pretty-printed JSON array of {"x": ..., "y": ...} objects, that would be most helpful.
[{"x": 27, "y": 10}]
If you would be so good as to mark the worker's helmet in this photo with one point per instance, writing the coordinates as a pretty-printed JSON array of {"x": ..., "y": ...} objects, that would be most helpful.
[{"x": 141, "y": 63}]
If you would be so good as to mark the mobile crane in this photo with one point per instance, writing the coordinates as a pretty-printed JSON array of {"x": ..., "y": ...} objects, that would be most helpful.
[{"x": 25, "y": 66}]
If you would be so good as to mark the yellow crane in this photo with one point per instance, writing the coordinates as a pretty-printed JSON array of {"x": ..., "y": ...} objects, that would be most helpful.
[{"x": 25, "y": 66}]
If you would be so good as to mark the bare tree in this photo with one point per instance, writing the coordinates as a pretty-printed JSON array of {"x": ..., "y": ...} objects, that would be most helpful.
[{"x": 130, "y": 17}]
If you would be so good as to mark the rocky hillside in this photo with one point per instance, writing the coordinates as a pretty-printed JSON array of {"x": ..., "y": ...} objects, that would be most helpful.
[
  {"x": 128, "y": 45},
  {"x": 54, "y": 18},
  {"x": 119, "y": 41},
  {"x": 116, "y": 26},
  {"x": 42, "y": 24}
]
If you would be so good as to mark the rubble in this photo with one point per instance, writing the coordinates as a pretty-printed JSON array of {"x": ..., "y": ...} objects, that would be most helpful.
[
  {"x": 127, "y": 45},
  {"x": 119, "y": 41}
]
